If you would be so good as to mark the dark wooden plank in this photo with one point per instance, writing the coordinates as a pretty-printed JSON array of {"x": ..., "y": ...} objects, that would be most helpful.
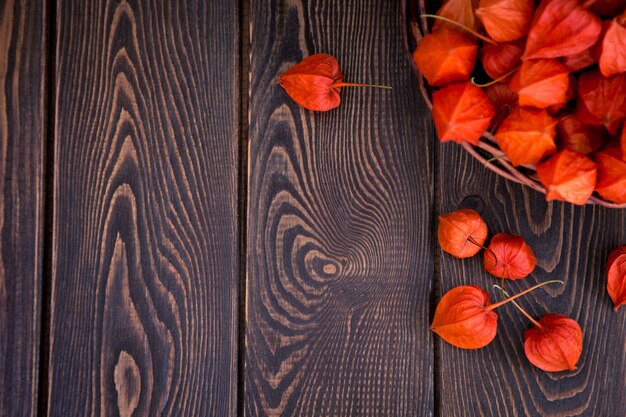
[
  {"x": 340, "y": 259},
  {"x": 146, "y": 258},
  {"x": 22, "y": 141},
  {"x": 571, "y": 244}
]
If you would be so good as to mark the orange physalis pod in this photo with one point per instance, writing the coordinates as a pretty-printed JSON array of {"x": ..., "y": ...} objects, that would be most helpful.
[
  {"x": 465, "y": 318},
  {"x": 462, "y": 233},
  {"x": 541, "y": 83},
  {"x": 445, "y": 56},
  {"x": 561, "y": 28},
  {"x": 554, "y": 344},
  {"x": 315, "y": 82},
  {"x": 461, "y": 112},
  {"x": 568, "y": 176},
  {"x": 506, "y": 20},
  {"x": 508, "y": 256},
  {"x": 616, "y": 276},
  {"x": 527, "y": 135}
]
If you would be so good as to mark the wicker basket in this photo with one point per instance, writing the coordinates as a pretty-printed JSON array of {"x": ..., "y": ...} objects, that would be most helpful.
[{"x": 487, "y": 151}]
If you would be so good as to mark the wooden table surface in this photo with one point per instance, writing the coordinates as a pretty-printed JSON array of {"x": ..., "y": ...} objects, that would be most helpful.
[{"x": 179, "y": 238}]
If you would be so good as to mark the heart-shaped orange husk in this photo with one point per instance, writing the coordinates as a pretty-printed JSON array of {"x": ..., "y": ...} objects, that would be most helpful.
[
  {"x": 555, "y": 344},
  {"x": 616, "y": 276},
  {"x": 310, "y": 82},
  {"x": 568, "y": 176}
]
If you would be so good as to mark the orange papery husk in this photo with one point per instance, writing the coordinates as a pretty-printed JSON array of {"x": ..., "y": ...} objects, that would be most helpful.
[
  {"x": 616, "y": 276},
  {"x": 499, "y": 60},
  {"x": 568, "y": 176},
  {"x": 541, "y": 83},
  {"x": 461, "y": 11},
  {"x": 462, "y": 233},
  {"x": 527, "y": 135},
  {"x": 578, "y": 136},
  {"x": 506, "y": 20},
  {"x": 461, "y": 319},
  {"x": 445, "y": 56},
  {"x": 555, "y": 345},
  {"x": 504, "y": 101},
  {"x": 613, "y": 50},
  {"x": 622, "y": 141},
  {"x": 611, "y": 183},
  {"x": 509, "y": 256},
  {"x": 561, "y": 28},
  {"x": 461, "y": 112},
  {"x": 310, "y": 82},
  {"x": 603, "y": 98}
]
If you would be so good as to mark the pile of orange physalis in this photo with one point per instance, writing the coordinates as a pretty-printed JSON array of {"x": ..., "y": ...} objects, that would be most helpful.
[
  {"x": 465, "y": 316},
  {"x": 553, "y": 90}
]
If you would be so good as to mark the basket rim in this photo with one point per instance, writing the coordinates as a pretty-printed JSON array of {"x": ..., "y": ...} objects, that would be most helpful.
[{"x": 414, "y": 29}]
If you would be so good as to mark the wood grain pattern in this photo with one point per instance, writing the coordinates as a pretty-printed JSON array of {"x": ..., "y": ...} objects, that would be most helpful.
[
  {"x": 572, "y": 244},
  {"x": 145, "y": 259},
  {"x": 339, "y": 245},
  {"x": 22, "y": 141}
]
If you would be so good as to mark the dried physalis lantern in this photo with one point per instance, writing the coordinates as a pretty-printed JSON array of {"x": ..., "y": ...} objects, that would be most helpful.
[
  {"x": 611, "y": 183},
  {"x": 506, "y": 20},
  {"x": 462, "y": 233},
  {"x": 445, "y": 56},
  {"x": 554, "y": 343},
  {"x": 316, "y": 81},
  {"x": 616, "y": 276},
  {"x": 508, "y": 256}
]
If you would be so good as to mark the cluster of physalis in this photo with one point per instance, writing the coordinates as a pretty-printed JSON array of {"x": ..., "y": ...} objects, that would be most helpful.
[
  {"x": 554, "y": 90},
  {"x": 465, "y": 316}
]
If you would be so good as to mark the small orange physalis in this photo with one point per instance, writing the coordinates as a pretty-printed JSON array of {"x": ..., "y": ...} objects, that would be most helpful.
[
  {"x": 541, "y": 83},
  {"x": 462, "y": 233},
  {"x": 315, "y": 82},
  {"x": 465, "y": 318},
  {"x": 461, "y": 112},
  {"x": 527, "y": 135},
  {"x": 445, "y": 56},
  {"x": 616, "y": 276},
  {"x": 611, "y": 182},
  {"x": 568, "y": 176},
  {"x": 506, "y": 20},
  {"x": 561, "y": 28},
  {"x": 508, "y": 256},
  {"x": 554, "y": 344}
]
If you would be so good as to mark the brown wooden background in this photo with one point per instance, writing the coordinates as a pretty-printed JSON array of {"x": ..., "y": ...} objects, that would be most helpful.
[{"x": 179, "y": 238}]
